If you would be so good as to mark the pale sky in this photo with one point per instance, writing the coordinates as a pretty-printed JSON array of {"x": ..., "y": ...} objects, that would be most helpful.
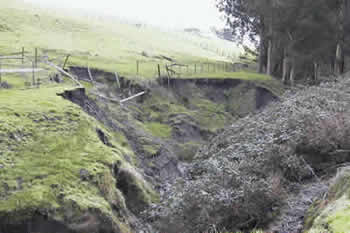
[{"x": 169, "y": 13}]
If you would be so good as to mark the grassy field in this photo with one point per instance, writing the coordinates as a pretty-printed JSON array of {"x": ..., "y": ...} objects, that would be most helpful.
[{"x": 104, "y": 43}]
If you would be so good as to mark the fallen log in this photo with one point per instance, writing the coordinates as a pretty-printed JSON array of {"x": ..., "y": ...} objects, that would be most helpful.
[{"x": 64, "y": 72}]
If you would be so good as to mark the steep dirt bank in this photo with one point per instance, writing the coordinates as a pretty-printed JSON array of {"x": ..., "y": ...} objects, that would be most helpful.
[
  {"x": 261, "y": 172},
  {"x": 166, "y": 126},
  {"x": 62, "y": 170},
  {"x": 172, "y": 121},
  {"x": 102, "y": 167}
]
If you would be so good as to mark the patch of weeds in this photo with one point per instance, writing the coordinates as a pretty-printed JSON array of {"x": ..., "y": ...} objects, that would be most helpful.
[
  {"x": 151, "y": 150},
  {"x": 158, "y": 129}
]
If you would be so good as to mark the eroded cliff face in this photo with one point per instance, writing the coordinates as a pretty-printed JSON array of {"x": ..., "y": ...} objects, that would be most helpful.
[
  {"x": 73, "y": 161},
  {"x": 60, "y": 168},
  {"x": 265, "y": 170}
]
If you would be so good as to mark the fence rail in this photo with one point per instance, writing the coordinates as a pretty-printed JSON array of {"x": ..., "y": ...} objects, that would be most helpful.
[
  {"x": 34, "y": 69},
  {"x": 33, "y": 65}
]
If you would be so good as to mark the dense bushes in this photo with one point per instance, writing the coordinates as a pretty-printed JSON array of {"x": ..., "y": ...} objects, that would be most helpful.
[{"x": 240, "y": 180}]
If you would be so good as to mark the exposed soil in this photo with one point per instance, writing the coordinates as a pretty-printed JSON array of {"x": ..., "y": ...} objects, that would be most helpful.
[
  {"x": 162, "y": 164},
  {"x": 292, "y": 216},
  {"x": 91, "y": 221}
]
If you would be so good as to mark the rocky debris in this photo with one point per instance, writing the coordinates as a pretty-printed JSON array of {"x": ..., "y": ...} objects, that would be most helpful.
[
  {"x": 292, "y": 216},
  {"x": 157, "y": 158},
  {"x": 243, "y": 178},
  {"x": 103, "y": 137},
  {"x": 84, "y": 174}
]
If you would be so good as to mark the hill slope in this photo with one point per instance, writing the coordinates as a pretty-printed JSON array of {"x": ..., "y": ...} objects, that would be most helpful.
[
  {"x": 104, "y": 43},
  {"x": 60, "y": 168},
  {"x": 264, "y": 170}
]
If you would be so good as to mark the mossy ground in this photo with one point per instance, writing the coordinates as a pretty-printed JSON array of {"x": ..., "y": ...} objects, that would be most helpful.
[
  {"x": 45, "y": 144},
  {"x": 332, "y": 215},
  {"x": 208, "y": 114},
  {"x": 158, "y": 130}
]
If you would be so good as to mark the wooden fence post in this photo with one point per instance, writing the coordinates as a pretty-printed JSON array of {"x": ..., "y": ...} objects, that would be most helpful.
[
  {"x": 137, "y": 67},
  {"x": 159, "y": 71},
  {"x": 33, "y": 74},
  {"x": 65, "y": 61},
  {"x": 167, "y": 69},
  {"x": 22, "y": 55},
  {"x": 36, "y": 57}
]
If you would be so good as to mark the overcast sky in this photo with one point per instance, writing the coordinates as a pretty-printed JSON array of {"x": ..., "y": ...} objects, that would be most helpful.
[{"x": 170, "y": 13}]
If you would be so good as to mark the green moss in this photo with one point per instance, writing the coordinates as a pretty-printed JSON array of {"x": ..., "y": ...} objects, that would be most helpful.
[
  {"x": 151, "y": 150},
  {"x": 339, "y": 222},
  {"x": 333, "y": 214},
  {"x": 158, "y": 129},
  {"x": 211, "y": 116},
  {"x": 45, "y": 144},
  {"x": 188, "y": 151},
  {"x": 136, "y": 191}
]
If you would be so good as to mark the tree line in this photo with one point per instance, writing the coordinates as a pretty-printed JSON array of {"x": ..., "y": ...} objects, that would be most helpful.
[{"x": 293, "y": 37}]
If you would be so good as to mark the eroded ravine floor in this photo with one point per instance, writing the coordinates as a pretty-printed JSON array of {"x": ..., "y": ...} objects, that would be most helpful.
[{"x": 292, "y": 217}]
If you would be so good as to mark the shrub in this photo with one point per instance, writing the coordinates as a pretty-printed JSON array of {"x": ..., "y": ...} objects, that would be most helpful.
[{"x": 239, "y": 180}]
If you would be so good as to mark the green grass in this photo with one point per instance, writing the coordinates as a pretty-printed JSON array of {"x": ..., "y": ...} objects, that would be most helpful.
[
  {"x": 333, "y": 214},
  {"x": 158, "y": 129},
  {"x": 243, "y": 75},
  {"x": 45, "y": 141},
  {"x": 107, "y": 44}
]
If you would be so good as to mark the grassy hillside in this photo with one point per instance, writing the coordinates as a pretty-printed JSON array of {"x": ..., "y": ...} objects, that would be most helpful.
[
  {"x": 105, "y": 43},
  {"x": 53, "y": 160}
]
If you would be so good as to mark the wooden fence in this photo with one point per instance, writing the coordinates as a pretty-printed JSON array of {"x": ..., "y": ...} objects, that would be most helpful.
[
  {"x": 36, "y": 66},
  {"x": 35, "y": 69}
]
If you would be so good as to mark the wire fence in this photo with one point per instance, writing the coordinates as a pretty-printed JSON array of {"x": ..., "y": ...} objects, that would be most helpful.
[{"x": 28, "y": 69}]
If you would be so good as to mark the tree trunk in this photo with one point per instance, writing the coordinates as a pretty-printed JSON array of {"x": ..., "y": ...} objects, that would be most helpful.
[
  {"x": 339, "y": 60},
  {"x": 269, "y": 58},
  {"x": 339, "y": 56},
  {"x": 261, "y": 55},
  {"x": 270, "y": 42},
  {"x": 292, "y": 74},
  {"x": 285, "y": 69},
  {"x": 331, "y": 65},
  {"x": 316, "y": 71}
]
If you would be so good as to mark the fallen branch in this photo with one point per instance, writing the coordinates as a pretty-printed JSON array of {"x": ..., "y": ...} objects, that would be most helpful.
[
  {"x": 119, "y": 101},
  {"x": 105, "y": 97},
  {"x": 90, "y": 75},
  {"x": 117, "y": 79},
  {"x": 64, "y": 72},
  {"x": 132, "y": 97}
]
